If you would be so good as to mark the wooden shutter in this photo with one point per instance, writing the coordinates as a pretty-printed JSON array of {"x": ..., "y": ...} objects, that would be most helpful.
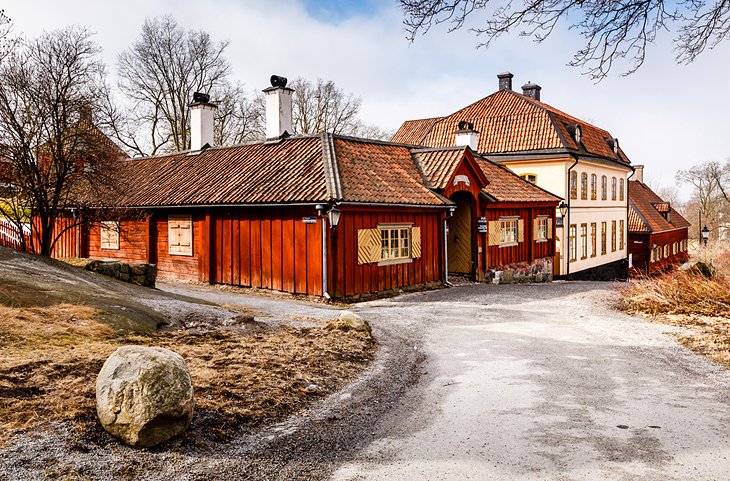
[
  {"x": 520, "y": 230},
  {"x": 180, "y": 235},
  {"x": 494, "y": 233},
  {"x": 369, "y": 245},
  {"x": 415, "y": 242},
  {"x": 549, "y": 228},
  {"x": 109, "y": 235},
  {"x": 535, "y": 228}
]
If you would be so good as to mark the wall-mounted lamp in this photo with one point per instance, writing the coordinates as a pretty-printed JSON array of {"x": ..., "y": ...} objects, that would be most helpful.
[
  {"x": 334, "y": 216},
  {"x": 451, "y": 211},
  {"x": 563, "y": 207}
]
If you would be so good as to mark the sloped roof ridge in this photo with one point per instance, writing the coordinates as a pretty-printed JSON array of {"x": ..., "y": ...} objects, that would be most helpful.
[
  {"x": 331, "y": 169},
  {"x": 641, "y": 217},
  {"x": 506, "y": 169},
  {"x": 374, "y": 141}
]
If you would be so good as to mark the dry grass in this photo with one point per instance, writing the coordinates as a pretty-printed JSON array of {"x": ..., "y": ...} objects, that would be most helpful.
[
  {"x": 49, "y": 359},
  {"x": 688, "y": 299}
]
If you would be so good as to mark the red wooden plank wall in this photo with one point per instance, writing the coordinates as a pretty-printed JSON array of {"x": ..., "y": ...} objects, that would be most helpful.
[
  {"x": 269, "y": 248},
  {"x": 347, "y": 278},
  {"x": 526, "y": 251},
  {"x": 132, "y": 242},
  {"x": 178, "y": 267}
]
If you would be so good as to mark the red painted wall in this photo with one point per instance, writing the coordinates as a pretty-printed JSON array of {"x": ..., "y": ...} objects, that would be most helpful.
[{"x": 640, "y": 246}]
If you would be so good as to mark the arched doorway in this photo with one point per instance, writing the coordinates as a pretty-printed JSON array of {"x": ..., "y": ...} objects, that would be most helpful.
[{"x": 460, "y": 235}]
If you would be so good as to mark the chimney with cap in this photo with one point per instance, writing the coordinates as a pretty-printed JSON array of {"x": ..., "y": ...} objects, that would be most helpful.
[
  {"x": 638, "y": 173},
  {"x": 201, "y": 121},
  {"x": 531, "y": 90},
  {"x": 505, "y": 81},
  {"x": 278, "y": 108},
  {"x": 466, "y": 135}
]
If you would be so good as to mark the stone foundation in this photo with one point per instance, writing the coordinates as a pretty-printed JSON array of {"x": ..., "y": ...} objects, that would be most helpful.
[
  {"x": 540, "y": 270},
  {"x": 139, "y": 274}
]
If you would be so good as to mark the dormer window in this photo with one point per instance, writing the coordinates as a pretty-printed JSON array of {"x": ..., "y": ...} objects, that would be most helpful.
[
  {"x": 615, "y": 146},
  {"x": 578, "y": 134}
]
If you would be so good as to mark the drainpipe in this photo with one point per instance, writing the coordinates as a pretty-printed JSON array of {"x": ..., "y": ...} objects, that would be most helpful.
[
  {"x": 446, "y": 248},
  {"x": 626, "y": 224},
  {"x": 567, "y": 244},
  {"x": 321, "y": 212}
]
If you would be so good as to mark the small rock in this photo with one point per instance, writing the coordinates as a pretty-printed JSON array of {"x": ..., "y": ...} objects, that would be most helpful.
[{"x": 144, "y": 395}]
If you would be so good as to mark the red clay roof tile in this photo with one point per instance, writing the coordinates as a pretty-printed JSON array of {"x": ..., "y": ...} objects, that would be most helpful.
[{"x": 646, "y": 211}]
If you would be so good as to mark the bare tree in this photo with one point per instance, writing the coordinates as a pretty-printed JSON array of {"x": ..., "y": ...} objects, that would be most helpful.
[
  {"x": 710, "y": 183},
  {"x": 239, "y": 117},
  {"x": 323, "y": 107},
  {"x": 49, "y": 87},
  {"x": 158, "y": 75},
  {"x": 613, "y": 30},
  {"x": 6, "y": 42}
]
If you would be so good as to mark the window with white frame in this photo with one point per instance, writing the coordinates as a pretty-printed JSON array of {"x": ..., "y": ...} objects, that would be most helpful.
[
  {"x": 508, "y": 230},
  {"x": 583, "y": 241},
  {"x": 584, "y": 186},
  {"x": 542, "y": 228},
  {"x": 573, "y": 243},
  {"x": 613, "y": 236},
  {"x": 574, "y": 185},
  {"x": 613, "y": 188},
  {"x": 593, "y": 239},
  {"x": 621, "y": 189},
  {"x": 395, "y": 243},
  {"x": 604, "y": 187},
  {"x": 621, "y": 239},
  {"x": 603, "y": 237},
  {"x": 594, "y": 186},
  {"x": 109, "y": 235},
  {"x": 666, "y": 250},
  {"x": 180, "y": 235}
]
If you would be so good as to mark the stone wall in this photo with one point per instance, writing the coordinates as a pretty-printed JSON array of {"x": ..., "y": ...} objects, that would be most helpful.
[
  {"x": 540, "y": 270},
  {"x": 139, "y": 274}
]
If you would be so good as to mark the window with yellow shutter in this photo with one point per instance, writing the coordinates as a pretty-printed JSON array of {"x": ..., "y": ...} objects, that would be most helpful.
[
  {"x": 388, "y": 244},
  {"x": 180, "y": 235}
]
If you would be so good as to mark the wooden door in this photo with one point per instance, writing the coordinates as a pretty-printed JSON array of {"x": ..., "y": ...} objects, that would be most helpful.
[{"x": 459, "y": 240}]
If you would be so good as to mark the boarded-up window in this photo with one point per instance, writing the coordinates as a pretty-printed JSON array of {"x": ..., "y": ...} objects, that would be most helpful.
[
  {"x": 180, "y": 235},
  {"x": 388, "y": 243},
  {"x": 109, "y": 234}
]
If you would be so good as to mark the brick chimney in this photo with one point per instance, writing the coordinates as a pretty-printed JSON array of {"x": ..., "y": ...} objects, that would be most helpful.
[
  {"x": 278, "y": 108},
  {"x": 466, "y": 135},
  {"x": 201, "y": 121},
  {"x": 638, "y": 173},
  {"x": 505, "y": 81},
  {"x": 531, "y": 90}
]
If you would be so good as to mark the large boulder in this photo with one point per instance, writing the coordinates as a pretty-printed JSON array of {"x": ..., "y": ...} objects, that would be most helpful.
[
  {"x": 348, "y": 320},
  {"x": 144, "y": 395}
]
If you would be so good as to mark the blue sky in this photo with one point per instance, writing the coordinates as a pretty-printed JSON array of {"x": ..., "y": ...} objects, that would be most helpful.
[{"x": 666, "y": 116}]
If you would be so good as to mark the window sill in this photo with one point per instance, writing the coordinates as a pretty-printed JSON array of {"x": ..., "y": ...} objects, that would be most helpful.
[
  {"x": 392, "y": 262},
  {"x": 180, "y": 255},
  {"x": 584, "y": 258},
  {"x": 573, "y": 260},
  {"x": 540, "y": 241},
  {"x": 508, "y": 244},
  {"x": 109, "y": 248}
]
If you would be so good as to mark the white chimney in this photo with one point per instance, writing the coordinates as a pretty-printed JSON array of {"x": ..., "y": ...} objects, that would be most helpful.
[
  {"x": 278, "y": 108},
  {"x": 201, "y": 121},
  {"x": 466, "y": 135},
  {"x": 638, "y": 173}
]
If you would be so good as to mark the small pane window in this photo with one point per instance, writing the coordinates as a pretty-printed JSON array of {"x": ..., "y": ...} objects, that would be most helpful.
[
  {"x": 621, "y": 239},
  {"x": 109, "y": 235},
  {"x": 584, "y": 186},
  {"x": 542, "y": 228},
  {"x": 613, "y": 236},
  {"x": 594, "y": 186},
  {"x": 621, "y": 190},
  {"x": 604, "y": 187},
  {"x": 573, "y": 243},
  {"x": 508, "y": 231},
  {"x": 583, "y": 241},
  {"x": 532, "y": 178},
  {"x": 395, "y": 243},
  {"x": 613, "y": 188},
  {"x": 604, "y": 226},
  {"x": 593, "y": 239},
  {"x": 574, "y": 185}
]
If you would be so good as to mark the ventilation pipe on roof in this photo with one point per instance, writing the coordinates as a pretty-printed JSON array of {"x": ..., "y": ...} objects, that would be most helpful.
[
  {"x": 201, "y": 121},
  {"x": 466, "y": 135},
  {"x": 531, "y": 90},
  {"x": 505, "y": 81},
  {"x": 639, "y": 173},
  {"x": 278, "y": 108}
]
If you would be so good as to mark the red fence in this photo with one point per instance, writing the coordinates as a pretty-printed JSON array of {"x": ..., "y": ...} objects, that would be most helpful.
[{"x": 10, "y": 237}]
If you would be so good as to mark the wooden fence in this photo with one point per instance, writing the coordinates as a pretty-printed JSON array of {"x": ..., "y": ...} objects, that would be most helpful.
[{"x": 10, "y": 237}]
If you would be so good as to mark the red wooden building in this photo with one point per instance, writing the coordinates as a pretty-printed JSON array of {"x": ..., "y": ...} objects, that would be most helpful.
[
  {"x": 323, "y": 215},
  {"x": 657, "y": 233}
]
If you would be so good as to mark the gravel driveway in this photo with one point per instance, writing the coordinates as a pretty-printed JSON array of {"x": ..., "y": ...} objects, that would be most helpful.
[{"x": 521, "y": 382}]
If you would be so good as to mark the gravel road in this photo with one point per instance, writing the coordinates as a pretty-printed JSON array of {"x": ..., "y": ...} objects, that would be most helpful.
[{"x": 475, "y": 382}]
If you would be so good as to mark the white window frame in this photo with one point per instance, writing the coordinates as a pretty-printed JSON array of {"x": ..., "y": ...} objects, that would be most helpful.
[
  {"x": 395, "y": 243},
  {"x": 542, "y": 228},
  {"x": 175, "y": 245},
  {"x": 573, "y": 240},
  {"x": 508, "y": 231},
  {"x": 109, "y": 235}
]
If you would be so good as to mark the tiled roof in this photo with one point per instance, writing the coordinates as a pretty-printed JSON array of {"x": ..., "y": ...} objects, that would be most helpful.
[
  {"x": 413, "y": 131},
  {"x": 506, "y": 186},
  {"x": 297, "y": 169},
  {"x": 379, "y": 172},
  {"x": 503, "y": 185},
  {"x": 510, "y": 122},
  {"x": 439, "y": 164},
  {"x": 645, "y": 211}
]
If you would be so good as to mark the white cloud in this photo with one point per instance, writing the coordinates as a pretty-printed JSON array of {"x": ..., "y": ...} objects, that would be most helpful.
[{"x": 666, "y": 116}]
